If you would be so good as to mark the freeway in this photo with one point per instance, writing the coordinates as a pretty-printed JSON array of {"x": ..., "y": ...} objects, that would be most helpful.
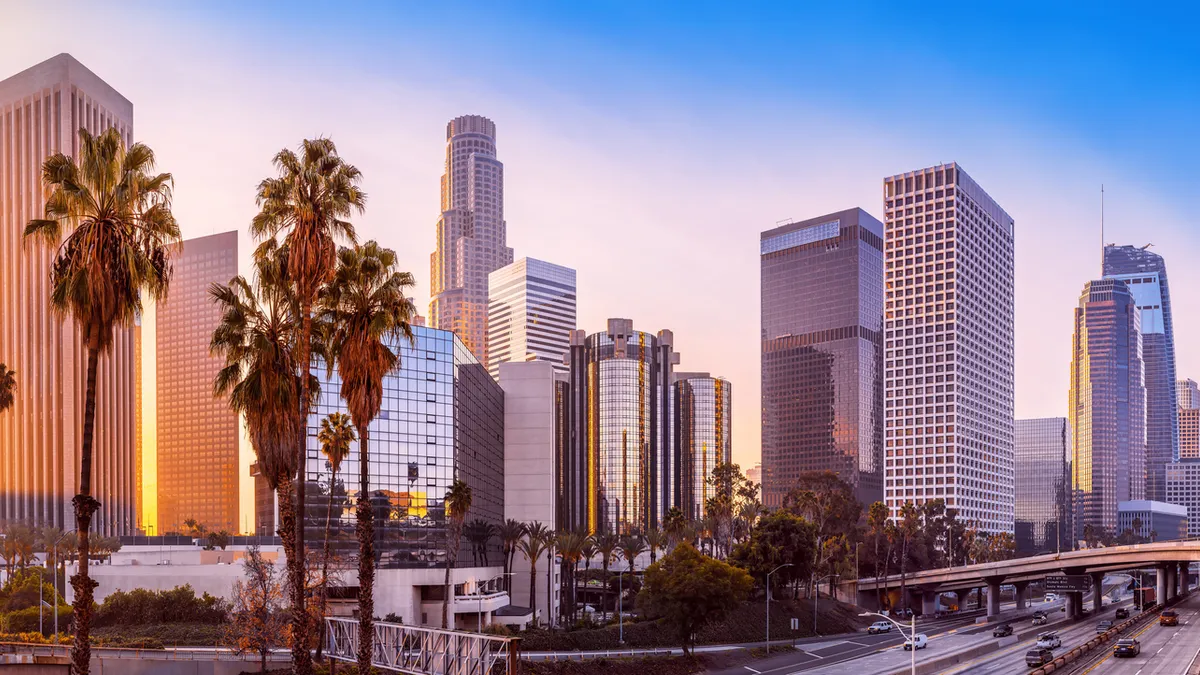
[{"x": 1166, "y": 650}]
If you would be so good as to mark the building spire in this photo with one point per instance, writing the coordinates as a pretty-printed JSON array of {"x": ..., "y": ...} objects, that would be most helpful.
[{"x": 1102, "y": 229}]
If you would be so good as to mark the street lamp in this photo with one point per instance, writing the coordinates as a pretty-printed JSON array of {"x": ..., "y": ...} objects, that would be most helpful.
[
  {"x": 817, "y": 596},
  {"x": 479, "y": 595},
  {"x": 900, "y": 627},
  {"x": 769, "y": 602},
  {"x": 621, "y": 606}
]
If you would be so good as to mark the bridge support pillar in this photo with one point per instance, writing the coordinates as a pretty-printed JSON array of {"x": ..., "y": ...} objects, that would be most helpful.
[
  {"x": 929, "y": 603},
  {"x": 1184, "y": 580},
  {"x": 960, "y": 598},
  {"x": 993, "y": 596},
  {"x": 1097, "y": 591},
  {"x": 1172, "y": 574},
  {"x": 1022, "y": 594},
  {"x": 1161, "y": 595}
]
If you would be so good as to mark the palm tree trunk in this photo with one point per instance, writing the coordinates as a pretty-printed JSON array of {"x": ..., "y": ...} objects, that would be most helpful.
[
  {"x": 533, "y": 588},
  {"x": 878, "y": 590},
  {"x": 366, "y": 558},
  {"x": 85, "y": 507},
  {"x": 903, "y": 566},
  {"x": 549, "y": 582},
  {"x": 325, "y": 564},
  {"x": 452, "y": 544},
  {"x": 301, "y": 657}
]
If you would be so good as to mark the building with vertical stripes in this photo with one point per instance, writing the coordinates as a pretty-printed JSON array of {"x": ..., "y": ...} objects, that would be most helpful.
[
  {"x": 703, "y": 418},
  {"x": 531, "y": 313},
  {"x": 41, "y": 111}
]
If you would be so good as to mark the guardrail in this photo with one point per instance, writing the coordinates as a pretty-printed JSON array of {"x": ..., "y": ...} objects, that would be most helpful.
[
  {"x": 425, "y": 651},
  {"x": 166, "y": 654},
  {"x": 1109, "y": 635}
]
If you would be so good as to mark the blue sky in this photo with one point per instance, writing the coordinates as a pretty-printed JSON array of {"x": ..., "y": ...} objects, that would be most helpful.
[{"x": 647, "y": 144}]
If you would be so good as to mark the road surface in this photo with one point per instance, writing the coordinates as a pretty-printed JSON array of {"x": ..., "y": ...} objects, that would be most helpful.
[{"x": 1166, "y": 650}]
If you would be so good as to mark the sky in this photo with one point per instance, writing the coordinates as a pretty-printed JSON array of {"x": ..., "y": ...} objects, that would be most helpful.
[{"x": 647, "y": 145}]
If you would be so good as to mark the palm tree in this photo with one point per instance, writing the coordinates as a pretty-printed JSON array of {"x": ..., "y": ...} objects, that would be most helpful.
[
  {"x": 457, "y": 503},
  {"x": 570, "y": 549},
  {"x": 335, "y": 437},
  {"x": 631, "y": 547},
  {"x": 535, "y": 543},
  {"x": 479, "y": 532},
  {"x": 366, "y": 311},
  {"x": 655, "y": 540},
  {"x": 510, "y": 533},
  {"x": 606, "y": 543},
  {"x": 877, "y": 519},
  {"x": 308, "y": 204},
  {"x": 8, "y": 387},
  {"x": 909, "y": 526},
  {"x": 674, "y": 524},
  {"x": 115, "y": 214},
  {"x": 589, "y": 551}
]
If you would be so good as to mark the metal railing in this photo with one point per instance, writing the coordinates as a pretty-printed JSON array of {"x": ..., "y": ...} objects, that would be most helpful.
[{"x": 425, "y": 651}]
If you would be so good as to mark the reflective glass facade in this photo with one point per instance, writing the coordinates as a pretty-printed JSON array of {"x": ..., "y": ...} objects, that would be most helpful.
[
  {"x": 1107, "y": 406},
  {"x": 1043, "y": 485},
  {"x": 531, "y": 313},
  {"x": 1146, "y": 275},
  {"x": 822, "y": 353},
  {"x": 442, "y": 418},
  {"x": 703, "y": 418}
]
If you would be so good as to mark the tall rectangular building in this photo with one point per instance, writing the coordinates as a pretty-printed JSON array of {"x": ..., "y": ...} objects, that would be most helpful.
[
  {"x": 198, "y": 434},
  {"x": 531, "y": 313},
  {"x": 822, "y": 353},
  {"x": 948, "y": 346},
  {"x": 702, "y": 415},
  {"x": 1146, "y": 275},
  {"x": 1107, "y": 407},
  {"x": 41, "y": 111},
  {"x": 471, "y": 233},
  {"x": 1042, "y": 453},
  {"x": 1187, "y": 396}
]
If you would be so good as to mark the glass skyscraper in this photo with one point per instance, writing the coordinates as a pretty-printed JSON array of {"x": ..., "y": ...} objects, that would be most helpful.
[
  {"x": 1106, "y": 406},
  {"x": 442, "y": 418},
  {"x": 1042, "y": 450},
  {"x": 822, "y": 353},
  {"x": 1146, "y": 275},
  {"x": 703, "y": 417},
  {"x": 531, "y": 313}
]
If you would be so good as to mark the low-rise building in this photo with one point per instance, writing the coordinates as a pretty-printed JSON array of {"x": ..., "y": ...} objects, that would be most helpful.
[
  {"x": 1151, "y": 520},
  {"x": 1183, "y": 488}
]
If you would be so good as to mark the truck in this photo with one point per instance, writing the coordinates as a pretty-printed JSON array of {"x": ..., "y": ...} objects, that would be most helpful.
[{"x": 1144, "y": 597}]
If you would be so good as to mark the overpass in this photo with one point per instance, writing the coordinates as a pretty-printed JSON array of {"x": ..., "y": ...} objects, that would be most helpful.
[{"x": 1170, "y": 558}]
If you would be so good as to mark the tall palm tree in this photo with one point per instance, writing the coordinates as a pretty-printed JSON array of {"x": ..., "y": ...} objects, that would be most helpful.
[
  {"x": 535, "y": 543},
  {"x": 115, "y": 215},
  {"x": 8, "y": 387},
  {"x": 308, "y": 204},
  {"x": 674, "y": 524},
  {"x": 335, "y": 437},
  {"x": 480, "y": 532},
  {"x": 570, "y": 549},
  {"x": 606, "y": 543},
  {"x": 589, "y": 552},
  {"x": 877, "y": 520},
  {"x": 457, "y": 503},
  {"x": 631, "y": 547},
  {"x": 910, "y": 524},
  {"x": 510, "y": 533},
  {"x": 366, "y": 311},
  {"x": 655, "y": 539}
]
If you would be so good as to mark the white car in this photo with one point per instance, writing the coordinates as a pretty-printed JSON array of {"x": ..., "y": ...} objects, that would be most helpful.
[
  {"x": 1051, "y": 597},
  {"x": 921, "y": 642},
  {"x": 880, "y": 627},
  {"x": 1049, "y": 640}
]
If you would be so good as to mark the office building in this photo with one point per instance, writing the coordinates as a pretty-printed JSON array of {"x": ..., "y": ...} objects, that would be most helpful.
[
  {"x": 266, "y": 508},
  {"x": 703, "y": 423},
  {"x": 948, "y": 346},
  {"x": 1042, "y": 451},
  {"x": 822, "y": 353},
  {"x": 1187, "y": 394},
  {"x": 1106, "y": 406},
  {"x": 471, "y": 233},
  {"x": 139, "y": 508},
  {"x": 442, "y": 419},
  {"x": 620, "y": 471},
  {"x": 41, "y": 111},
  {"x": 1146, "y": 275},
  {"x": 1153, "y": 521},
  {"x": 198, "y": 434},
  {"x": 531, "y": 313},
  {"x": 1187, "y": 398},
  {"x": 1183, "y": 488}
]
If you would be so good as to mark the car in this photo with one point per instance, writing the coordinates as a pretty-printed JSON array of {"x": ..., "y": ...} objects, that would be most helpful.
[
  {"x": 921, "y": 642},
  {"x": 1168, "y": 618},
  {"x": 904, "y": 612},
  {"x": 1127, "y": 647},
  {"x": 1049, "y": 640},
  {"x": 1040, "y": 620},
  {"x": 1104, "y": 626},
  {"x": 1122, "y": 613},
  {"x": 880, "y": 627},
  {"x": 1003, "y": 630},
  {"x": 1051, "y": 597},
  {"x": 1038, "y": 657}
]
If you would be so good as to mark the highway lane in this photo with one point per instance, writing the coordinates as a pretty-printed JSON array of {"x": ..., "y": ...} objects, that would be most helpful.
[{"x": 1166, "y": 650}]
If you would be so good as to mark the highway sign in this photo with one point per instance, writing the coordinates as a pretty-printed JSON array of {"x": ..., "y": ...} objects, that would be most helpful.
[{"x": 1068, "y": 583}]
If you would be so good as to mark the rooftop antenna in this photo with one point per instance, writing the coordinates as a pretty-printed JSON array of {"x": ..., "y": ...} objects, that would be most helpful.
[{"x": 1102, "y": 229}]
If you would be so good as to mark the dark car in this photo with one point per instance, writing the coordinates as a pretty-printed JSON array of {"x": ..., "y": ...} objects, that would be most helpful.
[
  {"x": 1122, "y": 613},
  {"x": 1003, "y": 630},
  {"x": 1168, "y": 618},
  {"x": 1127, "y": 647},
  {"x": 1035, "y": 658},
  {"x": 1104, "y": 626}
]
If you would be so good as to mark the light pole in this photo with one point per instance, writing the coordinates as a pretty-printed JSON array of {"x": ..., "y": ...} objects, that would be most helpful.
[
  {"x": 621, "y": 606},
  {"x": 817, "y": 596},
  {"x": 900, "y": 627},
  {"x": 479, "y": 595},
  {"x": 769, "y": 602}
]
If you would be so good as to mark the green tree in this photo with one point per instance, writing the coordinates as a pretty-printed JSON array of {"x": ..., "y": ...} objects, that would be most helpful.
[
  {"x": 510, "y": 533},
  {"x": 877, "y": 519},
  {"x": 457, "y": 503},
  {"x": 335, "y": 436},
  {"x": 308, "y": 204},
  {"x": 909, "y": 526},
  {"x": 656, "y": 540},
  {"x": 534, "y": 545},
  {"x": 606, "y": 543},
  {"x": 365, "y": 310},
  {"x": 778, "y": 538},
  {"x": 8, "y": 387},
  {"x": 257, "y": 617},
  {"x": 631, "y": 547},
  {"x": 120, "y": 233},
  {"x": 674, "y": 525},
  {"x": 570, "y": 550},
  {"x": 688, "y": 590},
  {"x": 829, "y": 503}
]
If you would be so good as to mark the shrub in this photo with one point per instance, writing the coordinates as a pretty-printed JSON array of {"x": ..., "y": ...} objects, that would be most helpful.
[
  {"x": 178, "y": 605},
  {"x": 497, "y": 629},
  {"x": 26, "y": 620},
  {"x": 169, "y": 634}
]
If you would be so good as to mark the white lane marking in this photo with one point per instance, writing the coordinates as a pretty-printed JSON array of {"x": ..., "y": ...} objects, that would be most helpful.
[
  {"x": 1139, "y": 672},
  {"x": 756, "y": 672},
  {"x": 1159, "y": 650}
]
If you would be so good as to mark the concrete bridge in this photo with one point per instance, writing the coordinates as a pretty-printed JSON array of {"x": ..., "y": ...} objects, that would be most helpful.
[{"x": 1171, "y": 559}]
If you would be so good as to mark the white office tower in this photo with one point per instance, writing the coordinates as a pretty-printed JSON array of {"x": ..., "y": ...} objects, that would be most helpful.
[
  {"x": 531, "y": 313},
  {"x": 948, "y": 347}
]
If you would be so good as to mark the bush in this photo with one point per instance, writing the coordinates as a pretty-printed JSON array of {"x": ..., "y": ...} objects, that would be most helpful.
[
  {"x": 34, "y": 638},
  {"x": 178, "y": 605},
  {"x": 497, "y": 629},
  {"x": 26, "y": 620},
  {"x": 168, "y": 634}
]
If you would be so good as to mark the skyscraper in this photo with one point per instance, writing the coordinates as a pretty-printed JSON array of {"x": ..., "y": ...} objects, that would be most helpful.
[
  {"x": 1106, "y": 406},
  {"x": 41, "y": 111},
  {"x": 471, "y": 232},
  {"x": 1187, "y": 394},
  {"x": 703, "y": 419},
  {"x": 531, "y": 313},
  {"x": 822, "y": 353},
  {"x": 139, "y": 509},
  {"x": 621, "y": 474},
  {"x": 198, "y": 434},
  {"x": 1043, "y": 485},
  {"x": 949, "y": 346},
  {"x": 1146, "y": 275},
  {"x": 1187, "y": 397}
]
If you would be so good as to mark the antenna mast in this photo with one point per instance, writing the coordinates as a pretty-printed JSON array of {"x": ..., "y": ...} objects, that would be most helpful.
[{"x": 1102, "y": 229}]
